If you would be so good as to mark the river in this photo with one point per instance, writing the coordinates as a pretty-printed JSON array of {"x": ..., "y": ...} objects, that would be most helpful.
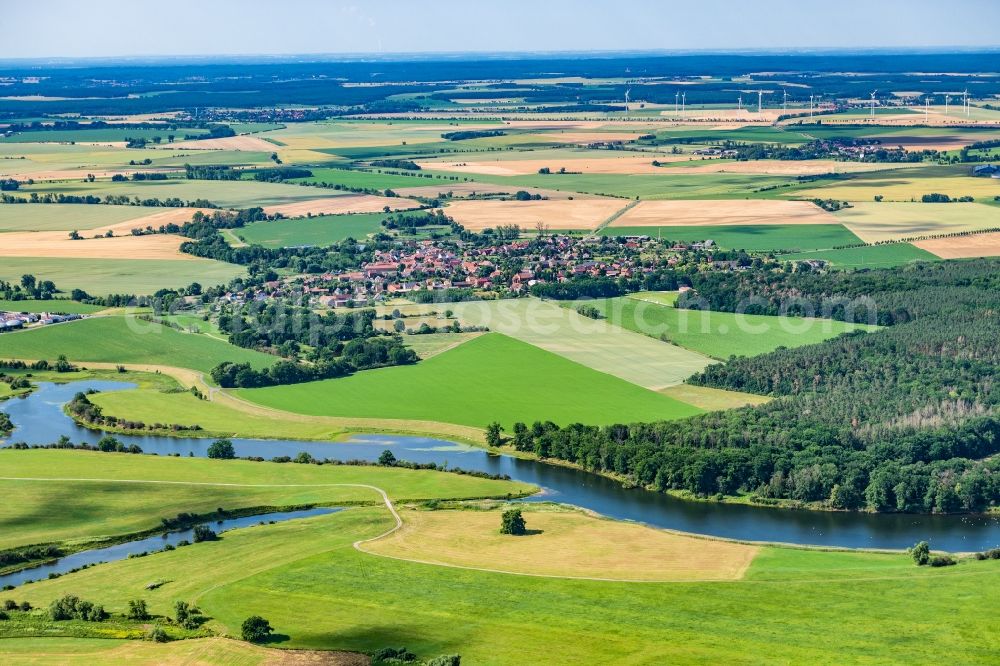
[{"x": 39, "y": 419}]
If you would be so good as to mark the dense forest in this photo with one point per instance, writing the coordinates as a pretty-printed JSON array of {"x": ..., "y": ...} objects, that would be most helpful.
[{"x": 900, "y": 419}]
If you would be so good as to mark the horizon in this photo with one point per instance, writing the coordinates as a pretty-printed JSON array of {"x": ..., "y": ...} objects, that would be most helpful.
[{"x": 113, "y": 29}]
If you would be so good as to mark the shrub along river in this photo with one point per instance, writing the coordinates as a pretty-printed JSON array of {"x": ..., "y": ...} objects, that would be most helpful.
[{"x": 39, "y": 419}]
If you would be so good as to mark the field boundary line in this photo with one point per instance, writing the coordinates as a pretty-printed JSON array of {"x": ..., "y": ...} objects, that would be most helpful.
[{"x": 614, "y": 216}]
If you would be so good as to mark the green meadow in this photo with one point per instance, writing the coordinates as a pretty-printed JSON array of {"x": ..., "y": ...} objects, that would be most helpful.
[
  {"x": 871, "y": 256},
  {"x": 489, "y": 378},
  {"x": 317, "y": 230},
  {"x": 668, "y": 186},
  {"x": 719, "y": 334},
  {"x": 99, "y": 277},
  {"x": 320, "y": 593},
  {"x": 753, "y": 238},
  {"x": 120, "y": 339},
  {"x": 101, "y": 134}
]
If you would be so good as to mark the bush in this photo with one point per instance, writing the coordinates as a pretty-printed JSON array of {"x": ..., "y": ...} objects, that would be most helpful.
[
  {"x": 71, "y": 607},
  {"x": 157, "y": 635},
  {"x": 446, "y": 660},
  {"x": 921, "y": 553},
  {"x": 137, "y": 610},
  {"x": 255, "y": 629},
  {"x": 393, "y": 656},
  {"x": 4, "y": 615},
  {"x": 512, "y": 522},
  {"x": 204, "y": 533},
  {"x": 10, "y": 604},
  {"x": 942, "y": 561}
]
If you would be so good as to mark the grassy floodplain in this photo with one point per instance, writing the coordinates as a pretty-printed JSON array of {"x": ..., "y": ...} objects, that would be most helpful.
[
  {"x": 489, "y": 378},
  {"x": 718, "y": 334},
  {"x": 119, "y": 493},
  {"x": 304, "y": 577},
  {"x": 121, "y": 339}
]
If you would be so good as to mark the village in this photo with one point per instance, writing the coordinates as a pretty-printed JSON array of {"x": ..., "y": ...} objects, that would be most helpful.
[{"x": 428, "y": 270}]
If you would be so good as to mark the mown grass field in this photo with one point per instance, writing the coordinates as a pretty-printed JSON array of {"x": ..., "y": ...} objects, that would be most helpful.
[
  {"x": 99, "y": 277},
  {"x": 872, "y": 256},
  {"x": 66, "y": 217},
  {"x": 124, "y": 493},
  {"x": 718, "y": 334},
  {"x": 317, "y": 230},
  {"x": 317, "y": 591},
  {"x": 120, "y": 339},
  {"x": 755, "y": 238},
  {"x": 101, "y": 134},
  {"x": 55, "y": 305},
  {"x": 217, "y": 418},
  {"x": 905, "y": 188},
  {"x": 596, "y": 344},
  {"x": 490, "y": 378}
]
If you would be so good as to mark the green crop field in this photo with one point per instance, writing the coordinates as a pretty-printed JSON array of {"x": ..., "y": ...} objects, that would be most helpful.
[
  {"x": 489, "y": 378},
  {"x": 319, "y": 593},
  {"x": 317, "y": 230},
  {"x": 872, "y": 256},
  {"x": 66, "y": 217},
  {"x": 756, "y": 237},
  {"x": 231, "y": 193},
  {"x": 100, "y": 134},
  {"x": 718, "y": 334},
  {"x": 119, "y": 339},
  {"x": 100, "y": 277},
  {"x": 101, "y": 505},
  {"x": 61, "y": 305},
  {"x": 372, "y": 178},
  {"x": 668, "y": 186},
  {"x": 874, "y": 222}
]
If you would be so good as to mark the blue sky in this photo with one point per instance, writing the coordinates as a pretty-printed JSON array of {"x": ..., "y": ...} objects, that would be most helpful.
[{"x": 75, "y": 28}]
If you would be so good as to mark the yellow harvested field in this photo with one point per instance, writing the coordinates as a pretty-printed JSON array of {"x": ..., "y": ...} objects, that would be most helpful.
[
  {"x": 745, "y": 115},
  {"x": 351, "y": 203},
  {"x": 873, "y": 222},
  {"x": 963, "y": 247},
  {"x": 566, "y": 214},
  {"x": 712, "y": 399},
  {"x": 723, "y": 212},
  {"x": 596, "y": 165},
  {"x": 242, "y": 142},
  {"x": 58, "y": 244},
  {"x": 562, "y": 543}
]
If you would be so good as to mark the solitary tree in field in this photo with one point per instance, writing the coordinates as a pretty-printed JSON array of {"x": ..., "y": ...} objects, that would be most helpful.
[
  {"x": 512, "y": 522},
  {"x": 222, "y": 449},
  {"x": 493, "y": 434},
  {"x": 387, "y": 459},
  {"x": 255, "y": 629}
]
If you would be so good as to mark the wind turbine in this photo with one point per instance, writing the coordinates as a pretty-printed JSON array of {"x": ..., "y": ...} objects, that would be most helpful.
[
  {"x": 760, "y": 97},
  {"x": 784, "y": 101},
  {"x": 811, "y": 106},
  {"x": 684, "y": 97},
  {"x": 873, "y": 103},
  {"x": 739, "y": 103},
  {"x": 927, "y": 108},
  {"x": 677, "y": 97},
  {"x": 947, "y": 98},
  {"x": 627, "y": 91},
  {"x": 965, "y": 102}
]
